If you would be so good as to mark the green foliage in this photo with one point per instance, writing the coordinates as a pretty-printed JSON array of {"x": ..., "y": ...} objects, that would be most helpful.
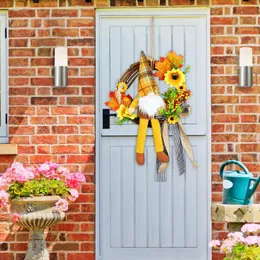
[
  {"x": 171, "y": 108},
  {"x": 42, "y": 187},
  {"x": 124, "y": 120},
  {"x": 242, "y": 252},
  {"x": 186, "y": 70}
]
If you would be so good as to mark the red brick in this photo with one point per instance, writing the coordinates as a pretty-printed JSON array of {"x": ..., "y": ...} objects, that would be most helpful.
[
  {"x": 18, "y": 42},
  {"x": 42, "y": 62},
  {"x": 22, "y": 110},
  {"x": 44, "y": 33},
  {"x": 67, "y": 110},
  {"x": 22, "y": 130},
  {"x": 42, "y": 120},
  {"x": 87, "y": 32},
  {"x": 251, "y": 128},
  {"x": 224, "y": 40},
  {"x": 65, "y": 247},
  {"x": 65, "y": 227},
  {"x": 9, "y": 256},
  {"x": 88, "y": 52},
  {"x": 45, "y": 3},
  {"x": 248, "y": 118},
  {"x": 18, "y": 62},
  {"x": 47, "y": 42},
  {"x": 247, "y": 30},
  {"x": 225, "y": 2},
  {"x": 248, "y": 40},
  {"x": 47, "y": 139},
  {"x": 21, "y": 72},
  {"x": 224, "y": 99},
  {"x": 248, "y": 148},
  {"x": 216, "y": 30},
  {"x": 43, "y": 149},
  {"x": 54, "y": 23},
  {"x": 18, "y": 120},
  {"x": 248, "y": 10},
  {"x": 64, "y": 13},
  {"x": 87, "y": 12},
  {"x": 65, "y": 32},
  {"x": 81, "y": 100},
  {"x": 21, "y": 33},
  {"x": 42, "y": 81},
  {"x": 88, "y": 110},
  {"x": 18, "y": 81},
  {"x": 21, "y": 91},
  {"x": 66, "y": 149},
  {"x": 81, "y": 42},
  {"x": 18, "y": 23},
  {"x": 44, "y": 101},
  {"x": 223, "y": 20},
  {"x": 26, "y": 149},
  {"x": 248, "y": 109},
  {"x": 66, "y": 91},
  {"x": 43, "y": 13},
  {"x": 225, "y": 118},
  {"x": 224, "y": 80},
  {"x": 87, "y": 247},
  {"x": 21, "y": 13},
  {"x": 248, "y": 138},
  {"x": 81, "y": 256},
  {"x": 80, "y": 158},
  {"x": 81, "y": 139},
  {"x": 42, "y": 158},
  {"x": 65, "y": 129},
  {"x": 247, "y": 20},
  {"x": 44, "y": 72},
  {"x": 79, "y": 3},
  {"x": 224, "y": 138},
  {"x": 18, "y": 101}
]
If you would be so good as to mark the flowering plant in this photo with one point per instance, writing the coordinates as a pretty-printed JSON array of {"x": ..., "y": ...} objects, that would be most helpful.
[
  {"x": 169, "y": 70},
  {"x": 46, "y": 179},
  {"x": 120, "y": 103},
  {"x": 244, "y": 245}
]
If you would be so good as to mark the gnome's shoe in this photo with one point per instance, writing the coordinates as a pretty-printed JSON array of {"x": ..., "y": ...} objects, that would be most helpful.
[
  {"x": 140, "y": 158},
  {"x": 162, "y": 157}
]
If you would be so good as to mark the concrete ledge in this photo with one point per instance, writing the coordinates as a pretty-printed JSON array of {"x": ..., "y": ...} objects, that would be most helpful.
[
  {"x": 8, "y": 149},
  {"x": 235, "y": 213}
]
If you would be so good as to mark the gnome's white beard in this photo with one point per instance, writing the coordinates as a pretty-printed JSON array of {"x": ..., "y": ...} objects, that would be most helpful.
[{"x": 150, "y": 104}]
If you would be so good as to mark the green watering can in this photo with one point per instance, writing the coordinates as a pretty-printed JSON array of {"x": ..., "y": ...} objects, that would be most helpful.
[{"x": 238, "y": 186}]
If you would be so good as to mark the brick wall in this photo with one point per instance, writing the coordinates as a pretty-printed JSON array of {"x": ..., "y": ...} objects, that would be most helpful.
[{"x": 58, "y": 124}]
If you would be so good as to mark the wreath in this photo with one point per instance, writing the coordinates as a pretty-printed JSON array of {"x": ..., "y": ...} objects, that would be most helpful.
[{"x": 170, "y": 70}]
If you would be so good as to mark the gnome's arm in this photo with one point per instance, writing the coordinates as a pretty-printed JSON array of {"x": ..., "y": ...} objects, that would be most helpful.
[{"x": 133, "y": 105}]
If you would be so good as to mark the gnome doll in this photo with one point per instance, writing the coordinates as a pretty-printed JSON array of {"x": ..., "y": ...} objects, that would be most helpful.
[{"x": 148, "y": 102}]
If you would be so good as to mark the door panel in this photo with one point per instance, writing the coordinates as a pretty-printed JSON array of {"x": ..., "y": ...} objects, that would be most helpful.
[
  {"x": 140, "y": 213},
  {"x": 140, "y": 218},
  {"x": 121, "y": 45}
]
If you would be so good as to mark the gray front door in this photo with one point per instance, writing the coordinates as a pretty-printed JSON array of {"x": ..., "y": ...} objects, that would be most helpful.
[{"x": 139, "y": 218}]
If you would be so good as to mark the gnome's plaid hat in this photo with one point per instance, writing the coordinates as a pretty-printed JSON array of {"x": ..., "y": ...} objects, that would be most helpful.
[{"x": 146, "y": 82}]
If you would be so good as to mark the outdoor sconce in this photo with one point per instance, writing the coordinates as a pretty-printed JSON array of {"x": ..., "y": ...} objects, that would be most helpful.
[
  {"x": 246, "y": 67},
  {"x": 61, "y": 67}
]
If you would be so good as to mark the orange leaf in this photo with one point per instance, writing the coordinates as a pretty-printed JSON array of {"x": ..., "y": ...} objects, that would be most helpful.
[
  {"x": 162, "y": 67},
  {"x": 112, "y": 103},
  {"x": 177, "y": 61}
]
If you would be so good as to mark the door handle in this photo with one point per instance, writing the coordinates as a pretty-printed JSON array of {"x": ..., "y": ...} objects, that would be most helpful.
[{"x": 106, "y": 118}]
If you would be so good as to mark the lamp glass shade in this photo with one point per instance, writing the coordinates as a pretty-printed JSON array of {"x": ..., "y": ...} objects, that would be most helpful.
[
  {"x": 246, "y": 57},
  {"x": 61, "y": 56}
]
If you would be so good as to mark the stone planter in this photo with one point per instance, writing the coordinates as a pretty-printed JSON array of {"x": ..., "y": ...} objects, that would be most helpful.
[{"x": 37, "y": 213}]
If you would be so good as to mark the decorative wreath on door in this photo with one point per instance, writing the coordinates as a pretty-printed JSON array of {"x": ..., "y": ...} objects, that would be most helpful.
[{"x": 156, "y": 110}]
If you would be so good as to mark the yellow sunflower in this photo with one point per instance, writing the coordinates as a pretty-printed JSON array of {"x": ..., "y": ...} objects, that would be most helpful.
[
  {"x": 121, "y": 86},
  {"x": 175, "y": 78},
  {"x": 182, "y": 88},
  {"x": 172, "y": 120},
  {"x": 123, "y": 112}
]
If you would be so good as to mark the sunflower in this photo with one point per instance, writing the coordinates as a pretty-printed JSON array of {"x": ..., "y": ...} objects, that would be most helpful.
[
  {"x": 175, "y": 78},
  {"x": 123, "y": 112},
  {"x": 183, "y": 87},
  {"x": 122, "y": 87},
  {"x": 172, "y": 120}
]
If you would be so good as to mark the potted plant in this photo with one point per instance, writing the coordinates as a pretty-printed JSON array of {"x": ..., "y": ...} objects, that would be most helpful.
[
  {"x": 244, "y": 245},
  {"x": 38, "y": 196}
]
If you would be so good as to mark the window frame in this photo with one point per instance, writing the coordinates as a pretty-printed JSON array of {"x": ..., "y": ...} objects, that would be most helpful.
[{"x": 4, "y": 76}]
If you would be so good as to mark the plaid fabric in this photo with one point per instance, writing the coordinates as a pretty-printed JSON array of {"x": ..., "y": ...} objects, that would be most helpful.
[{"x": 146, "y": 82}]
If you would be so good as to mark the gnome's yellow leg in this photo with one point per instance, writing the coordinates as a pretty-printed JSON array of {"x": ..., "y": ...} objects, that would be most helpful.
[
  {"x": 157, "y": 137},
  {"x": 140, "y": 141}
]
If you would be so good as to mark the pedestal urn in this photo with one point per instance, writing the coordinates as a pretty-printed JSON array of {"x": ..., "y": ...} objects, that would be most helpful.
[{"x": 37, "y": 213}]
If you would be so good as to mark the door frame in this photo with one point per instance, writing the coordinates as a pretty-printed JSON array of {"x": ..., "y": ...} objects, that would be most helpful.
[{"x": 146, "y": 12}]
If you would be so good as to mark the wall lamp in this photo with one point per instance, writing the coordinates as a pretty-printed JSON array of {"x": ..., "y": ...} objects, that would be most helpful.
[
  {"x": 61, "y": 67},
  {"x": 246, "y": 67}
]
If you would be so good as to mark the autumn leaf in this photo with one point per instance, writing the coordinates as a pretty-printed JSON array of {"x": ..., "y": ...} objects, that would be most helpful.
[
  {"x": 162, "y": 66},
  {"x": 176, "y": 61},
  {"x": 112, "y": 103}
]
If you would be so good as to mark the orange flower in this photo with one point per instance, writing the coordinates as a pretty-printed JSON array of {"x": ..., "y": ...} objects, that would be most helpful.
[
  {"x": 112, "y": 103},
  {"x": 126, "y": 100},
  {"x": 162, "y": 66},
  {"x": 176, "y": 61}
]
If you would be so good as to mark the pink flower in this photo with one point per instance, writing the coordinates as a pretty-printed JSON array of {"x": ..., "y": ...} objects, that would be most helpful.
[
  {"x": 2, "y": 182},
  {"x": 17, "y": 172},
  {"x": 250, "y": 228},
  {"x": 236, "y": 236},
  {"x": 251, "y": 240},
  {"x": 227, "y": 246},
  {"x": 63, "y": 171},
  {"x": 74, "y": 195},
  {"x": 48, "y": 170},
  {"x": 62, "y": 205},
  {"x": 15, "y": 217},
  {"x": 74, "y": 179},
  {"x": 214, "y": 243},
  {"x": 3, "y": 199}
]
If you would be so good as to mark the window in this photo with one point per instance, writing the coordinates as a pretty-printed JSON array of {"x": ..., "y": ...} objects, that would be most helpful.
[{"x": 3, "y": 78}]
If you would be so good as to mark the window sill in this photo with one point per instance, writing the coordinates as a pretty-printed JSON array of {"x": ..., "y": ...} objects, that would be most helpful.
[{"x": 8, "y": 149}]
